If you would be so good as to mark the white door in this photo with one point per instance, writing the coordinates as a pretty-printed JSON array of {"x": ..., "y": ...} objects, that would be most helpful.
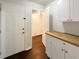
[
  {"x": 27, "y": 34},
  {"x": 23, "y": 30},
  {"x": 14, "y": 18},
  {"x": 20, "y": 29}
]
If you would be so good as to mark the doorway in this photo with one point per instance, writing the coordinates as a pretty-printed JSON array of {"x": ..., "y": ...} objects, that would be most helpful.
[
  {"x": 36, "y": 22},
  {"x": 40, "y": 23},
  {"x": 38, "y": 48}
]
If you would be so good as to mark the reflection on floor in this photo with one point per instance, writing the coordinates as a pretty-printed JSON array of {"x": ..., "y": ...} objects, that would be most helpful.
[{"x": 37, "y": 51}]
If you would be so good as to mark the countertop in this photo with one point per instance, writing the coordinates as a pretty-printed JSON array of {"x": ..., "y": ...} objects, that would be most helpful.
[{"x": 72, "y": 39}]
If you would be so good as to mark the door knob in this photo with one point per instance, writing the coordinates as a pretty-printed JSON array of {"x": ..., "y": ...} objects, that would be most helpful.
[
  {"x": 24, "y": 18},
  {"x": 66, "y": 51},
  {"x": 22, "y": 28},
  {"x": 23, "y": 32}
]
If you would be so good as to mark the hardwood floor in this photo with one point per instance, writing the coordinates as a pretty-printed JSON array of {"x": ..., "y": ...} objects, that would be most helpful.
[{"x": 37, "y": 51}]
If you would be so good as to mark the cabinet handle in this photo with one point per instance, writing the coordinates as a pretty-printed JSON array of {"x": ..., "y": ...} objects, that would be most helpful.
[
  {"x": 62, "y": 49},
  {"x": 64, "y": 43},
  {"x": 23, "y": 32},
  {"x": 22, "y": 28}
]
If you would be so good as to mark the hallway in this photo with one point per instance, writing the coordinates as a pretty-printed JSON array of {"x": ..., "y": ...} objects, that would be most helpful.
[{"x": 37, "y": 51}]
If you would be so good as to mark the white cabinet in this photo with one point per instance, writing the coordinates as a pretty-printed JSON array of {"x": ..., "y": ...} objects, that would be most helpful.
[
  {"x": 48, "y": 46},
  {"x": 54, "y": 48},
  {"x": 71, "y": 51},
  {"x": 58, "y": 49},
  {"x": 74, "y": 8},
  {"x": 66, "y": 10}
]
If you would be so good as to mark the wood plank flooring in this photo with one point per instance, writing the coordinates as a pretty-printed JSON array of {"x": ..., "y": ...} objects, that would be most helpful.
[{"x": 37, "y": 51}]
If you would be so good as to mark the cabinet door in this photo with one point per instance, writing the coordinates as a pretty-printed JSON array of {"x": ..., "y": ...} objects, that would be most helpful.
[
  {"x": 54, "y": 48},
  {"x": 49, "y": 46},
  {"x": 27, "y": 34},
  {"x": 72, "y": 52},
  {"x": 57, "y": 49},
  {"x": 20, "y": 13}
]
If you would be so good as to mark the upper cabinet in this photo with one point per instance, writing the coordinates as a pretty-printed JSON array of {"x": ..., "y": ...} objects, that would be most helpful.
[
  {"x": 66, "y": 10},
  {"x": 74, "y": 9},
  {"x": 63, "y": 11}
]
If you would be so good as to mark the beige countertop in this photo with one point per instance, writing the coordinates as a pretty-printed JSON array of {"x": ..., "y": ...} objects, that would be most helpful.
[{"x": 72, "y": 39}]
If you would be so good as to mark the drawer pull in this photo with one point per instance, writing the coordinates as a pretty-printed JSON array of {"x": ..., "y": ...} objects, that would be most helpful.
[{"x": 64, "y": 43}]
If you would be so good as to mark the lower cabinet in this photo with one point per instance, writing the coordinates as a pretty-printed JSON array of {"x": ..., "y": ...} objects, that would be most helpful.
[
  {"x": 71, "y": 51},
  {"x": 49, "y": 46},
  {"x": 58, "y": 49}
]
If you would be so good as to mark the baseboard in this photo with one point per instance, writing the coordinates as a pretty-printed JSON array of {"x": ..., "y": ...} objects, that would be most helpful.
[
  {"x": 17, "y": 53},
  {"x": 29, "y": 48},
  {"x": 36, "y": 36}
]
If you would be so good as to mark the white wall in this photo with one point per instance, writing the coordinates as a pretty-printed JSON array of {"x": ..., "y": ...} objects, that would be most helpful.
[
  {"x": 9, "y": 25},
  {"x": 74, "y": 6},
  {"x": 59, "y": 11}
]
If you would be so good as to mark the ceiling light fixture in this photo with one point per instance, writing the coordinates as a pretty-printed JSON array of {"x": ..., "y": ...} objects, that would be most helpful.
[{"x": 38, "y": 11}]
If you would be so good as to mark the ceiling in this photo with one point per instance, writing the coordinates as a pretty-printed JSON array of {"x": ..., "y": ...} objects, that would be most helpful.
[{"x": 43, "y": 2}]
